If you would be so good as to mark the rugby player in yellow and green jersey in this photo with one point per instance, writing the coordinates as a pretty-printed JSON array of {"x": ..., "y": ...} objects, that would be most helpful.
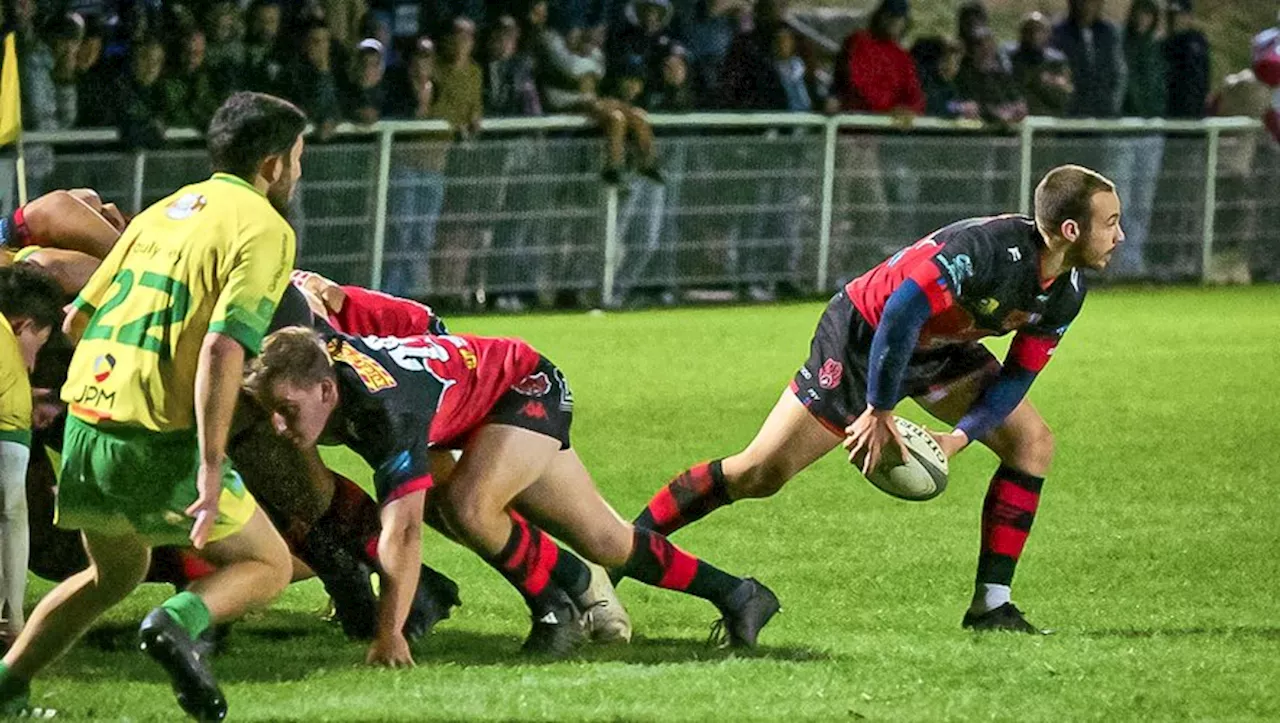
[
  {"x": 163, "y": 328},
  {"x": 30, "y": 307}
]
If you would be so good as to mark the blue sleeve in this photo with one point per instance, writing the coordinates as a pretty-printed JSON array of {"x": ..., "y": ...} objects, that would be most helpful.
[
  {"x": 905, "y": 313},
  {"x": 997, "y": 401}
]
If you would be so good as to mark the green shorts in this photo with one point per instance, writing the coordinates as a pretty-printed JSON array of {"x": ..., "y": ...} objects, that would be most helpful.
[{"x": 121, "y": 480}]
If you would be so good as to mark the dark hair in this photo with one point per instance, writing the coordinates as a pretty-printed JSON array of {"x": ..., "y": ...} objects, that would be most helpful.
[
  {"x": 250, "y": 127},
  {"x": 970, "y": 15},
  {"x": 1150, "y": 7},
  {"x": 1066, "y": 194},
  {"x": 878, "y": 25},
  {"x": 931, "y": 50},
  {"x": 27, "y": 292}
]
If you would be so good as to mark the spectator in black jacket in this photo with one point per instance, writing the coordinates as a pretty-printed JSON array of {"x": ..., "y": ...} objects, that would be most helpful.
[
  {"x": 1092, "y": 46},
  {"x": 937, "y": 63},
  {"x": 1041, "y": 70},
  {"x": 1187, "y": 55},
  {"x": 141, "y": 98}
]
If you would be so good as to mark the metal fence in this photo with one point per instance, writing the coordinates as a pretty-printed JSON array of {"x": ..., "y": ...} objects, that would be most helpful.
[{"x": 751, "y": 203}]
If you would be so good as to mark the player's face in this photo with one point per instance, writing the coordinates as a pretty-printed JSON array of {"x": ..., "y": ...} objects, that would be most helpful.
[
  {"x": 1104, "y": 235},
  {"x": 30, "y": 340},
  {"x": 281, "y": 191},
  {"x": 300, "y": 413}
]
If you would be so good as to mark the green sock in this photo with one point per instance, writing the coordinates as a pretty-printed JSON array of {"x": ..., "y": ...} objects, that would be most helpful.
[
  {"x": 12, "y": 689},
  {"x": 189, "y": 611}
]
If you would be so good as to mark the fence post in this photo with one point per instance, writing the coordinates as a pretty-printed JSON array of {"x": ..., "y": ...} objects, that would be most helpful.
[
  {"x": 139, "y": 178},
  {"x": 610, "y": 245},
  {"x": 1027, "y": 137},
  {"x": 1210, "y": 203},
  {"x": 828, "y": 202},
  {"x": 380, "y": 209}
]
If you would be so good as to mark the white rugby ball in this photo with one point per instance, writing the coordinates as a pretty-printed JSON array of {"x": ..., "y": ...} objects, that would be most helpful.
[{"x": 920, "y": 478}]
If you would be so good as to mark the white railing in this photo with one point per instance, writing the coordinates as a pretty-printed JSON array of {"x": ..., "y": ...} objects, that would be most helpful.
[{"x": 842, "y": 146}]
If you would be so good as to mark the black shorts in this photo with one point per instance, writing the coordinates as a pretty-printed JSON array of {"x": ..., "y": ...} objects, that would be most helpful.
[
  {"x": 541, "y": 402},
  {"x": 832, "y": 384}
]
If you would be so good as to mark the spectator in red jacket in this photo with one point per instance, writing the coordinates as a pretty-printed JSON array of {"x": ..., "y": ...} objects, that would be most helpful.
[{"x": 875, "y": 73}]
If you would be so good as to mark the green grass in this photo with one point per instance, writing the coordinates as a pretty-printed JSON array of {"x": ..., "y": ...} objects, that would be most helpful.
[{"x": 1154, "y": 554}]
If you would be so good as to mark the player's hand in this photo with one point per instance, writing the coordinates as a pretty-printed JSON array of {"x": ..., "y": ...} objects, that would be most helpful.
[
  {"x": 951, "y": 442},
  {"x": 870, "y": 435},
  {"x": 391, "y": 651},
  {"x": 205, "y": 509}
]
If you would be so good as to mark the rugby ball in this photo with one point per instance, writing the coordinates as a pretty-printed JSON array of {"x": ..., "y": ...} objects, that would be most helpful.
[{"x": 920, "y": 478}]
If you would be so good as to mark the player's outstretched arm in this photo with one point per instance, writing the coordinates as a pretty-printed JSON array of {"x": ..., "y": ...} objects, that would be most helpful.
[
  {"x": 400, "y": 555},
  {"x": 221, "y": 367}
]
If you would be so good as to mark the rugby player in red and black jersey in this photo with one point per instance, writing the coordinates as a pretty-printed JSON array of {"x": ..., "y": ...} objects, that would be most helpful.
[
  {"x": 509, "y": 409},
  {"x": 910, "y": 328}
]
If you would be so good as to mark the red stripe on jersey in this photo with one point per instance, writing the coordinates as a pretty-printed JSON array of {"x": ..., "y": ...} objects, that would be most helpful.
[
  {"x": 930, "y": 280},
  {"x": 1019, "y": 497},
  {"x": 417, "y": 484},
  {"x": 871, "y": 291},
  {"x": 1008, "y": 541},
  {"x": 368, "y": 312},
  {"x": 1032, "y": 352}
]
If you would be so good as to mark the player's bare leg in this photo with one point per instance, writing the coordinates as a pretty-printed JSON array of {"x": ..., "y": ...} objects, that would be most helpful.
[
  {"x": 1024, "y": 444},
  {"x": 499, "y": 462},
  {"x": 117, "y": 564},
  {"x": 566, "y": 499},
  {"x": 253, "y": 566},
  {"x": 789, "y": 440}
]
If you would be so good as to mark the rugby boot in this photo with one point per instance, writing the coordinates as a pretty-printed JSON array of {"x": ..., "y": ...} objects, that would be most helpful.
[
  {"x": 557, "y": 632},
  {"x": 603, "y": 616},
  {"x": 746, "y": 612},
  {"x": 162, "y": 638},
  {"x": 435, "y": 597},
  {"x": 1007, "y": 618}
]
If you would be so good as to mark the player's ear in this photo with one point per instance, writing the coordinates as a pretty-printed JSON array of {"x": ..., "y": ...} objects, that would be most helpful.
[
  {"x": 272, "y": 168},
  {"x": 328, "y": 391},
  {"x": 1070, "y": 230}
]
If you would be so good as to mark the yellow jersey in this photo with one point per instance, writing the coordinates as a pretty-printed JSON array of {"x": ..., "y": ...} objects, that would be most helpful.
[
  {"x": 213, "y": 257},
  {"x": 15, "y": 389}
]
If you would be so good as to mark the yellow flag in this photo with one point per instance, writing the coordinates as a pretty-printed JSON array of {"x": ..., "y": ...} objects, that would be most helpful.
[{"x": 10, "y": 96}]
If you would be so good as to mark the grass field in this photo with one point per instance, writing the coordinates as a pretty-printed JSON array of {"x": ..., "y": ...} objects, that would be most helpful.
[{"x": 1155, "y": 553}]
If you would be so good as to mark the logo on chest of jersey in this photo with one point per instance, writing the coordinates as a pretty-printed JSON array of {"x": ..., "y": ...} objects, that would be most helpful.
[
  {"x": 534, "y": 385},
  {"x": 102, "y": 367},
  {"x": 830, "y": 374},
  {"x": 186, "y": 207},
  {"x": 958, "y": 269},
  {"x": 374, "y": 376},
  {"x": 95, "y": 396}
]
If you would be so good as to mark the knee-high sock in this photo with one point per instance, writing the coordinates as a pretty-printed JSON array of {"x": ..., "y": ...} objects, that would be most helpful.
[
  {"x": 654, "y": 560},
  {"x": 15, "y": 542},
  {"x": 528, "y": 561},
  {"x": 692, "y": 495},
  {"x": 1007, "y": 515}
]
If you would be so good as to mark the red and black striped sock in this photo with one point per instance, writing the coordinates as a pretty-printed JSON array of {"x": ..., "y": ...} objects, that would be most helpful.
[
  {"x": 692, "y": 495},
  {"x": 655, "y": 561},
  {"x": 527, "y": 562},
  {"x": 569, "y": 573},
  {"x": 1007, "y": 514}
]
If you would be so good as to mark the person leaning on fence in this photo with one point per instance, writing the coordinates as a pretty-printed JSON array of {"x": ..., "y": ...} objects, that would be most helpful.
[
  {"x": 938, "y": 62},
  {"x": 570, "y": 83}
]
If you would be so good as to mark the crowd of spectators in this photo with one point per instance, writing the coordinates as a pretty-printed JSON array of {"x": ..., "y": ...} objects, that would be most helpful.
[{"x": 149, "y": 65}]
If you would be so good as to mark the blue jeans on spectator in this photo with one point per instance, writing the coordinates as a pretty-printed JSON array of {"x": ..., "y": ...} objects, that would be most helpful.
[
  {"x": 414, "y": 209},
  {"x": 1137, "y": 163}
]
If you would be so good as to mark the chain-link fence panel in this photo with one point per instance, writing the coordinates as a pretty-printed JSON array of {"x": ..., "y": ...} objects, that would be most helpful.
[
  {"x": 892, "y": 189},
  {"x": 111, "y": 174},
  {"x": 520, "y": 217},
  {"x": 335, "y": 208},
  {"x": 1246, "y": 240},
  {"x": 1160, "y": 179}
]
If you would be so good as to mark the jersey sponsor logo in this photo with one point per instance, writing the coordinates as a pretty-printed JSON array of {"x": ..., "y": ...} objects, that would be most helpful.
[
  {"x": 187, "y": 206},
  {"x": 958, "y": 269},
  {"x": 533, "y": 410},
  {"x": 830, "y": 374},
  {"x": 804, "y": 372},
  {"x": 1015, "y": 253},
  {"x": 534, "y": 385},
  {"x": 988, "y": 306},
  {"x": 91, "y": 394},
  {"x": 102, "y": 367},
  {"x": 374, "y": 376},
  {"x": 468, "y": 358}
]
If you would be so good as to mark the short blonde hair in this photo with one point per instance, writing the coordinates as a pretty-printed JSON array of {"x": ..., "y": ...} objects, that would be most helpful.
[{"x": 294, "y": 354}]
